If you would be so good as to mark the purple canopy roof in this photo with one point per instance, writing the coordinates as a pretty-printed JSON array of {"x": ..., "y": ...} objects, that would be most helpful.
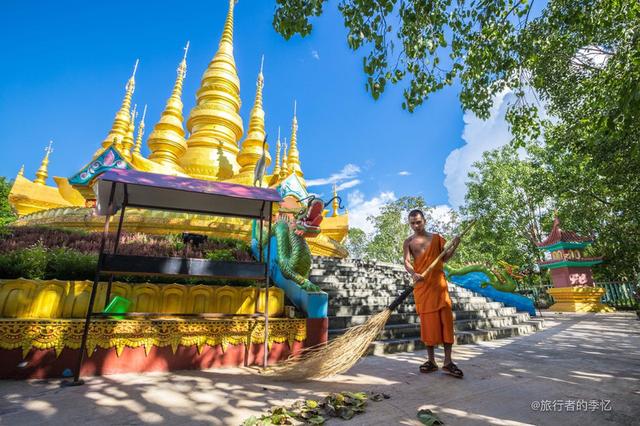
[{"x": 162, "y": 192}]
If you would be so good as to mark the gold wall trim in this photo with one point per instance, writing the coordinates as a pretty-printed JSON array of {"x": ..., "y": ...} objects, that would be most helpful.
[{"x": 118, "y": 334}]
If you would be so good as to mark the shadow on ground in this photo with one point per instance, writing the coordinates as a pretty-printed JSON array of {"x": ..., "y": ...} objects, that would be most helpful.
[{"x": 588, "y": 357}]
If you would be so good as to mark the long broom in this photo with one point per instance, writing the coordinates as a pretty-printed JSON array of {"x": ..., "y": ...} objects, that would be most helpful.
[{"x": 341, "y": 353}]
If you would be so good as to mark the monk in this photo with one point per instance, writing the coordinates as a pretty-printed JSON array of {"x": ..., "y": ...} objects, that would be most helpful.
[{"x": 430, "y": 292}]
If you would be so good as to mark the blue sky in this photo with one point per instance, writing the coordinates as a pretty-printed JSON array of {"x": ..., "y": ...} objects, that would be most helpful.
[{"x": 66, "y": 64}]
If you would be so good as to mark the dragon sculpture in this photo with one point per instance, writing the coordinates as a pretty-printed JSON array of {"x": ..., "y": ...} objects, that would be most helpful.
[
  {"x": 504, "y": 277},
  {"x": 290, "y": 229}
]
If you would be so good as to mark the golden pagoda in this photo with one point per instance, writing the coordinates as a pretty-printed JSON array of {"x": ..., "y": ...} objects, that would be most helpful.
[
  {"x": 138, "y": 146},
  {"x": 28, "y": 196},
  {"x": 252, "y": 147},
  {"x": 166, "y": 141},
  {"x": 214, "y": 124},
  {"x": 293, "y": 157},
  {"x": 210, "y": 152},
  {"x": 122, "y": 120}
]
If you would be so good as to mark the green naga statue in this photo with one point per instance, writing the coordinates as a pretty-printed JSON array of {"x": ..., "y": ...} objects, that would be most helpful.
[
  {"x": 290, "y": 229},
  {"x": 502, "y": 277}
]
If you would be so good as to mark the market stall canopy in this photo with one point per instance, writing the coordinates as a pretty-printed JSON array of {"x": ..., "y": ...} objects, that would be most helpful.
[{"x": 174, "y": 193}]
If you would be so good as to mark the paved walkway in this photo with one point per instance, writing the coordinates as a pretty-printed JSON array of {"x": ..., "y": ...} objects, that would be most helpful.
[{"x": 589, "y": 357}]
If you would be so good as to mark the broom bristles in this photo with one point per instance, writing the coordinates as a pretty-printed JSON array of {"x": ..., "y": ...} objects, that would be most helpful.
[{"x": 334, "y": 357}]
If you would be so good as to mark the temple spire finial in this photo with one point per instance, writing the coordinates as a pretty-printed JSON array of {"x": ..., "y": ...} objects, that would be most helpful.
[
  {"x": 276, "y": 167},
  {"x": 127, "y": 141},
  {"x": 293, "y": 157},
  {"x": 21, "y": 171},
  {"x": 336, "y": 203},
  {"x": 284, "y": 169},
  {"x": 251, "y": 150},
  {"x": 186, "y": 50},
  {"x": 227, "y": 33},
  {"x": 42, "y": 173},
  {"x": 166, "y": 142},
  {"x": 214, "y": 123},
  {"x": 135, "y": 68},
  {"x": 138, "y": 146},
  {"x": 122, "y": 119}
]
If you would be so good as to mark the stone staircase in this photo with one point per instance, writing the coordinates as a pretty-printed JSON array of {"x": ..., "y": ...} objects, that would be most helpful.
[{"x": 357, "y": 289}]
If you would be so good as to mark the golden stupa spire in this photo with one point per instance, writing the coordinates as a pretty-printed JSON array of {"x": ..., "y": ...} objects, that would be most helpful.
[
  {"x": 166, "y": 141},
  {"x": 284, "y": 169},
  {"x": 252, "y": 146},
  {"x": 42, "y": 173},
  {"x": 127, "y": 141},
  {"x": 276, "y": 167},
  {"x": 138, "y": 146},
  {"x": 293, "y": 157},
  {"x": 120, "y": 125},
  {"x": 336, "y": 203},
  {"x": 214, "y": 124},
  {"x": 21, "y": 171}
]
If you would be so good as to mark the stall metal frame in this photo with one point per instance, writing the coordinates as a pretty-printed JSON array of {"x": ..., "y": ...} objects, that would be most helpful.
[{"x": 119, "y": 189}]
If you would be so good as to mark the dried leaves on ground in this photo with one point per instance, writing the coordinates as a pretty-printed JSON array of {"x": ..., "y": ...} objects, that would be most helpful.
[{"x": 344, "y": 405}]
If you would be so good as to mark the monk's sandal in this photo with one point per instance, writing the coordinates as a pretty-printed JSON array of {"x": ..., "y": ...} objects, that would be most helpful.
[
  {"x": 453, "y": 370},
  {"x": 428, "y": 367}
]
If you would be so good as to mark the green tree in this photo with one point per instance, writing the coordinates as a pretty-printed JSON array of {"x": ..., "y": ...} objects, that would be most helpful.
[
  {"x": 391, "y": 228},
  {"x": 356, "y": 243},
  {"x": 579, "y": 59},
  {"x": 429, "y": 43},
  {"x": 508, "y": 195},
  {"x": 6, "y": 212},
  {"x": 515, "y": 195}
]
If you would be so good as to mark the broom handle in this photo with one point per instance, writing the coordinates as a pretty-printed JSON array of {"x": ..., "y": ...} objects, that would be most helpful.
[{"x": 409, "y": 289}]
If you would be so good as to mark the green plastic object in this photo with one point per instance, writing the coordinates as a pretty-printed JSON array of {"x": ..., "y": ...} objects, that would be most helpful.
[{"x": 118, "y": 305}]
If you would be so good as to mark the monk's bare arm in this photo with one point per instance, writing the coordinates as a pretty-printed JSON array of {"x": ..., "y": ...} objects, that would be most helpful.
[{"x": 407, "y": 262}]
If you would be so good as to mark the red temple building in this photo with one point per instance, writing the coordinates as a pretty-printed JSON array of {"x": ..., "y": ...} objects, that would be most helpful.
[{"x": 573, "y": 287}]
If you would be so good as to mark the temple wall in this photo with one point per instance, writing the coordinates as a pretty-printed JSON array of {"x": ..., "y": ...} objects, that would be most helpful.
[
  {"x": 23, "y": 298},
  {"x": 571, "y": 276}
]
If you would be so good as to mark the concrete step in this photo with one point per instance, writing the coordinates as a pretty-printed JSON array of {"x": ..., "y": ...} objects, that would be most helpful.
[
  {"x": 358, "y": 289},
  {"x": 385, "y": 292},
  {"x": 372, "y": 309},
  {"x": 349, "y": 321},
  {"x": 395, "y": 331},
  {"x": 385, "y": 299},
  {"x": 380, "y": 347}
]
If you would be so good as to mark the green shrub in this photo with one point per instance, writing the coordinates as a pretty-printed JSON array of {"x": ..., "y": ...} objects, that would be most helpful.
[
  {"x": 66, "y": 264},
  {"x": 221, "y": 255},
  {"x": 26, "y": 263}
]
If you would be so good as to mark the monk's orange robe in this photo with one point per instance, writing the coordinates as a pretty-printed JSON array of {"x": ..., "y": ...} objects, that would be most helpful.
[{"x": 431, "y": 296}]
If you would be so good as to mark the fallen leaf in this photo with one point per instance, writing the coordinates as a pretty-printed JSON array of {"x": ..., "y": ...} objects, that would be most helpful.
[{"x": 428, "y": 418}]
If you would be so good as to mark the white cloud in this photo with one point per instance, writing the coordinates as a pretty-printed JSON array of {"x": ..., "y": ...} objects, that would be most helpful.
[
  {"x": 404, "y": 173},
  {"x": 442, "y": 213},
  {"x": 590, "y": 57},
  {"x": 480, "y": 136},
  {"x": 315, "y": 55},
  {"x": 348, "y": 184},
  {"x": 360, "y": 209},
  {"x": 350, "y": 171}
]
